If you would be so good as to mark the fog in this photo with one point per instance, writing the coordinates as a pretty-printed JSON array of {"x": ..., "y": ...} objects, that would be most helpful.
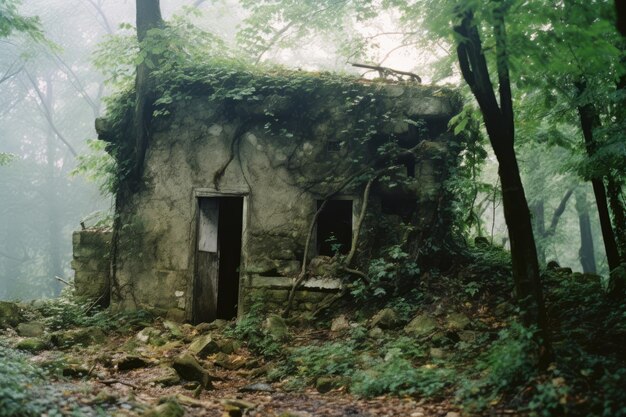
[{"x": 51, "y": 93}]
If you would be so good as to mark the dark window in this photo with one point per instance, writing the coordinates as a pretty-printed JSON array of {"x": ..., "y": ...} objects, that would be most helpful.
[{"x": 334, "y": 227}]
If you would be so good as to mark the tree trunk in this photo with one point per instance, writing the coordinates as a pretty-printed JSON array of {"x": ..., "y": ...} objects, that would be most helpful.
[
  {"x": 148, "y": 17},
  {"x": 586, "y": 252},
  {"x": 614, "y": 189},
  {"x": 498, "y": 118},
  {"x": 588, "y": 121}
]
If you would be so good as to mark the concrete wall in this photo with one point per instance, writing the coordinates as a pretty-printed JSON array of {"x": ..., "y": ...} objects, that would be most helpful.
[
  {"x": 280, "y": 172},
  {"x": 91, "y": 263}
]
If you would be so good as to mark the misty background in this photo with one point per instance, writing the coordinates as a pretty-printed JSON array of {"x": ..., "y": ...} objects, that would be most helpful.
[{"x": 51, "y": 93}]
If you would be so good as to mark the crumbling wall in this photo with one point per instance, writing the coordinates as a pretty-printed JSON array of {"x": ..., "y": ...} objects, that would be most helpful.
[
  {"x": 91, "y": 263},
  {"x": 283, "y": 150}
]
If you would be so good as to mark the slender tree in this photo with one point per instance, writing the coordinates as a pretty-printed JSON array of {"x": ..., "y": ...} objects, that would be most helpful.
[{"x": 499, "y": 122}]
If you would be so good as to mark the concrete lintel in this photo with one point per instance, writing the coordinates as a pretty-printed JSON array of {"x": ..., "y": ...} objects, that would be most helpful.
[{"x": 314, "y": 283}]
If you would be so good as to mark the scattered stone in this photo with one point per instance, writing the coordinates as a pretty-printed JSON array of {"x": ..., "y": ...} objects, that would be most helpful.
[
  {"x": 174, "y": 329},
  {"x": 168, "y": 377},
  {"x": 129, "y": 362},
  {"x": 214, "y": 325},
  {"x": 148, "y": 335},
  {"x": 258, "y": 387},
  {"x": 74, "y": 370},
  {"x": 188, "y": 368},
  {"x": 291, "y": 413},
  {"x": 228, "y": 362},
  {"x": 437, "y": 353},
  {"x": 104, "y": 397},
  {"x": 340, "y": 324},
  {"x": 236, "y": 408},
  {"x": 204, "y": 345},
  {"x": 386, "y": 318},
  {"x": 31, "y": 329},
  {"x": 468, "y": 336},
  {"x": 376, "y": 333},
  {"x": 421, "y": 325},
  {"x": 276, "y": 327},
  {"x": 31, "y": 344},
  {"x": 457, "y": 321},
  {"x": 86, "y": 336},
  {"x": 321, "y": 266},
  {"x": 10, "y": 314},
  {"x": 453, "y": 414},
  {"x": 227, "y": 346},
  {"x": 169, "y": 408}
]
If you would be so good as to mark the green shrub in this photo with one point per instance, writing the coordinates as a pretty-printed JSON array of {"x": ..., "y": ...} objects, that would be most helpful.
[
  {"x": 396, "y": 375},
  {"x": 250, "y": 331},
  {"x": 16, "y": 374}
]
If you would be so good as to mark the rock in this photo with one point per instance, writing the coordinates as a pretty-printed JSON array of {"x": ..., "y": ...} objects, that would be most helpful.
[
  {"x": 149, "y": 335},
  {"x": 481, "y": 242},
  {"x": 276, "y": 327},
  {"x": 421, "y": 325},
  {"x": 563, "y": 271},
  {"x": 169, "y": 408},
  {"x": 236, "y": 408},
  {"x": 168, "y": 377},
  {"x": 104, "y": 397},
  {"x": 228, "y": 362},
  {"x": 189, "y": 368},
  {"x": 31, "y": 344},
  {"x": 468, "y": 336},
  {"x": 340, "y": 324},
  {"x": 437, "y": 353},
  {"x": 10, "y": 314},
  {"x": 227, "y": 346},
  {"x": 376, "y": 333},
  {"x": 214, "y": 325},
  {"x": 386, "y": 318},
  {"x": 31, "y": 329},
  {"x": 324, "y": 384},
  {"x": 174, "y": 329},
  {"x": 74, "y": 370},
  {"x": 453, "y": 414},
  {"x": 321, "y": 266},
  {"x": 85, "y": 337},
  {"x": 291, "y": 413},
  {"x": 457, "y": 321},
  {"x": 128, "y": 362},
  {"x": 203, "y": 345},
  {"x": 258, "y": 387}
]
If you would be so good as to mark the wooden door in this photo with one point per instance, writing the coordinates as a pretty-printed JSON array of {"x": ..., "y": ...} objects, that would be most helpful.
[{"x": 207, "y": 261}]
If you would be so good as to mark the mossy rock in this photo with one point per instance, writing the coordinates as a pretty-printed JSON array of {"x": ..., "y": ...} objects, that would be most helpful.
[
  {"x": 421, "y": 325},
  {"x": 32, "y": 344},
  {"x": 169, "y": 408}
]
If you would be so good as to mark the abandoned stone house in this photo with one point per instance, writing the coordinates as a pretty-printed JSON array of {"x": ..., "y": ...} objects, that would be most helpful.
[{"x": 231, "y": 184}]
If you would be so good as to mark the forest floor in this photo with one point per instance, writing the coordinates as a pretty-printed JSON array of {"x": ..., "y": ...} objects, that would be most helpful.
[
  {"x": 88, "y": 381},
  {"x": 450, "y": 346}
]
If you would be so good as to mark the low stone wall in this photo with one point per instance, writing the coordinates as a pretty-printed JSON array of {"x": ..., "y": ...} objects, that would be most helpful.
[{"x": 91, "y": 264}]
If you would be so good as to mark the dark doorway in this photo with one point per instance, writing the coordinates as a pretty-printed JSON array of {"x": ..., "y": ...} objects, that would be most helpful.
[
  {"x": 216, "y": 286},
  {"x": 334, "y": 227}
]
